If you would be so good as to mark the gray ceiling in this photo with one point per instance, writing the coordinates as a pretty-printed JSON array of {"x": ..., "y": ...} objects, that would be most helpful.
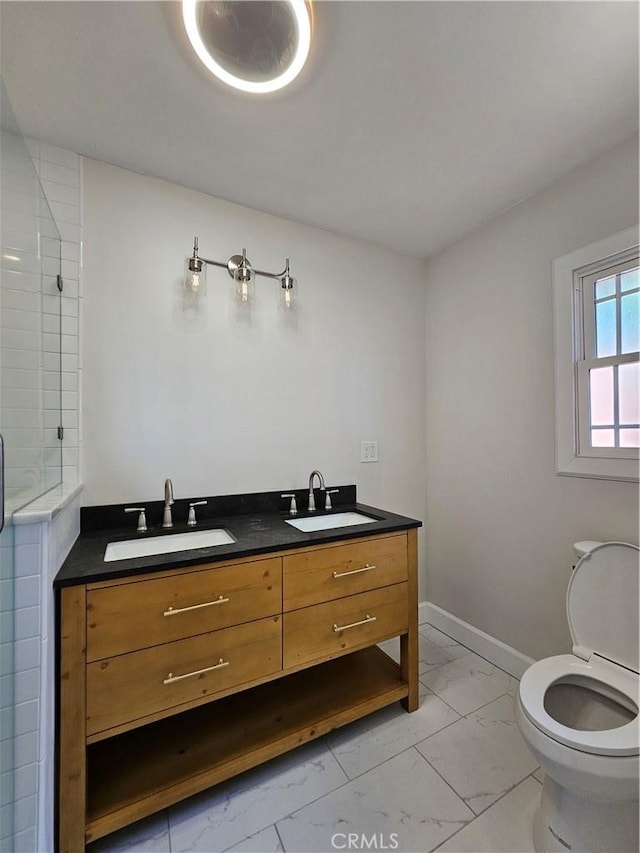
[{"x": 412, "y": 123}]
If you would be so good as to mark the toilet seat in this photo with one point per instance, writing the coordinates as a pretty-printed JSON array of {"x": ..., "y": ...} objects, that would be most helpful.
[
  {"x": 602, "y": 612},
  {"x": 543, "y": 674}
]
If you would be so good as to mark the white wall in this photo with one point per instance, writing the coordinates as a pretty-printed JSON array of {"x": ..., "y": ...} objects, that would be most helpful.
[
  {"x": 221, "y": 405},
  {"x": 500, "y": 522}
]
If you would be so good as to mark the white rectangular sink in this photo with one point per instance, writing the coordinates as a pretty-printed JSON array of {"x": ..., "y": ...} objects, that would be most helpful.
[
  {"x": 169, "y": 544},
  {"x": 327, "y": 522}
]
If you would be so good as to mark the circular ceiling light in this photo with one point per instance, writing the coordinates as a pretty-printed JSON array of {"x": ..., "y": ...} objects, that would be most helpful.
[{"x": 255, "y": 45}]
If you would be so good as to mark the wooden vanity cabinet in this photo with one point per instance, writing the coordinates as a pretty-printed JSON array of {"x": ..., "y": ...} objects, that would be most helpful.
[{"x": 173, "y": 681}]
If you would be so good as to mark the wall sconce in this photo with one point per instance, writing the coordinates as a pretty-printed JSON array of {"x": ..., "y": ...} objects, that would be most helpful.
[{"x": 242, "y": 272}]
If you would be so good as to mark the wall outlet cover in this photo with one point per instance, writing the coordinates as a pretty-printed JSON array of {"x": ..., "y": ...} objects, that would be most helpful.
[{"x": 368, "y": 451}]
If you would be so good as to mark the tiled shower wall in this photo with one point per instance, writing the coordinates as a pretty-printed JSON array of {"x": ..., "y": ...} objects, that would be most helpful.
[
  {"x": 21, "y": 649},
  {"x": 26, "y": 635},
  {"x": 30, "y": 261},
  {"x": 60, "y": 176}
]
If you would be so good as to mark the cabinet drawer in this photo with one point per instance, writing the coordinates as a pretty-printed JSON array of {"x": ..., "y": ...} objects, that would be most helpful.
[
  {"x": 145, "y": 613},
  {"x": 128, "y": 687},
  {"x": 331, "y": 629},
  {"x": 328, "y": 573}
]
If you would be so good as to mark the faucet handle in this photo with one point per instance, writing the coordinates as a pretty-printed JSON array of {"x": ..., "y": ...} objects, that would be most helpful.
[
  {"x": 327, "y": 497},
  {"x": 293, "y": 507},
  {"x": 191, "y": 521},
  {"x": 142, "y": 518}
]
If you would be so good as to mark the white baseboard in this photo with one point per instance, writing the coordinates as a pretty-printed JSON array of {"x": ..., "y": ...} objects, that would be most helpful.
[{"x": 499, "y": 653}]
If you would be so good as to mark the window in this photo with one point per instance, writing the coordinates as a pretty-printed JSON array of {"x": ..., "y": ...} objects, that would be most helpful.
[
  {"x": 596, "y": 313},
  {"x": 608, "y": 372}
]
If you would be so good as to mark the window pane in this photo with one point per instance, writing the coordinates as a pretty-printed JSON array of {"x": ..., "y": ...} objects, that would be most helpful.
[
  {"x": 630, "y": 438},
  {"x": 601, "y": 394},
  {"x": 630, "y": 279},
  {"x": 606, "y": 328},
  {"x": 605, "y": 287},
  {"x": 628, "y": 396},
  {"x": 602, "y": 438},
  {"x": 630, "y": 308}
]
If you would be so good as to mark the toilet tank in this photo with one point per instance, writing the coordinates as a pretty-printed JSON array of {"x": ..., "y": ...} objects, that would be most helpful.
[{"x": 584, "y": 547}]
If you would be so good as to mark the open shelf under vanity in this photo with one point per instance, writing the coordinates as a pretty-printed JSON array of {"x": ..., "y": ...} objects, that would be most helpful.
[{"x": 141, "y": 771}]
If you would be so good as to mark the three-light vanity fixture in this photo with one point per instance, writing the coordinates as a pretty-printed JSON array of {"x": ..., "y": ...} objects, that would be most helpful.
[{"x": 242, "y": 272}]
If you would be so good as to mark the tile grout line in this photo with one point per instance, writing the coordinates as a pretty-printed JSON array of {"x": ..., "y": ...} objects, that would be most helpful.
[
  {"x": 382, "y": 763},
  {"x": 470, "y": 651},
  {"x": 476, "y": 815},
  {"x": 280, "y": 838},
  {"x": 450, "y": 786},
  {"x": 480, "y": 707},
  {"x": 480, "y": 814},
  {"x": 348, "y": 780},
  {"x": 475, "y": 710},
  {"x": 411, "y": 746}
]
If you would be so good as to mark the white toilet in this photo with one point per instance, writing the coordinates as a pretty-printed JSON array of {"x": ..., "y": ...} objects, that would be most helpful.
[{"x": 578, "y": 713}]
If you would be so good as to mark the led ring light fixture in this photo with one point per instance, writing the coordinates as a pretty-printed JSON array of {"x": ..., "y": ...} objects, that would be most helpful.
[{"x": 286, "y": 47}]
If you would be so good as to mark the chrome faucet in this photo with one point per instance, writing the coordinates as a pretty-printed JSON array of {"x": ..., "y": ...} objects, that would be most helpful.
[
  {"x": 312, "y": 500},
  {"x": 167, "y": 521}
]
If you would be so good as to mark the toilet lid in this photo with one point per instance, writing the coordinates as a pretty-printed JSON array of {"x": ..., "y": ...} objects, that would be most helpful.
[{"x": 602, "y": 604}]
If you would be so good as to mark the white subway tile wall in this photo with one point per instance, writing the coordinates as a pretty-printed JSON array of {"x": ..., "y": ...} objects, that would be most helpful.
[
  {"x": 61, "y": 178},
  {"x": 31, "y": 323},
  {"x": 20, "y": 649},
  {"x": 30, "y": 259}
]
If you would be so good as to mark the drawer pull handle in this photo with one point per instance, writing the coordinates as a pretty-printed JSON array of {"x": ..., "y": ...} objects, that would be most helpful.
[
  {"x": 368, "y": 618},
  {"x": 366, "y": 568},
  {"x": 171, "y": 678},
  {"x": 171, "y": 612}
]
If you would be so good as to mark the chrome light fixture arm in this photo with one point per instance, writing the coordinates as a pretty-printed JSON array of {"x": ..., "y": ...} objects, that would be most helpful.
[
  {"x": 276, "y": 275},
  {"x": 196, "y": 260}
]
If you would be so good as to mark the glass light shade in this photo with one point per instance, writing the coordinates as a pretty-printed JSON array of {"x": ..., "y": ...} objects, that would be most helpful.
[
  {"x": 195, "y": 279},
  {"x": 287, "y": 294},
  {"x": 244, "y": 279}
]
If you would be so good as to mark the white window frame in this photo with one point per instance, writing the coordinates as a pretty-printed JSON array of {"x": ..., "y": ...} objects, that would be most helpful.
[
  {"x": 570, "y": 398},
  {"x": 584, "y": 281}
]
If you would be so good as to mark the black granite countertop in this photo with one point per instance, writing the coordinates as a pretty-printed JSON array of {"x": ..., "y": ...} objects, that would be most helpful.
[{"x": 257, "y": 523}]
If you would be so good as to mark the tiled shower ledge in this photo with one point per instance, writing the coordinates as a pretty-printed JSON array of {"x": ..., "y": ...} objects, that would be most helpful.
[{"x": 48, "y": 505}]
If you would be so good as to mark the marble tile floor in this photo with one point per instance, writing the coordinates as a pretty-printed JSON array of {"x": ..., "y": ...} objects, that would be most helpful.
[{"x": 453, "y": 776}]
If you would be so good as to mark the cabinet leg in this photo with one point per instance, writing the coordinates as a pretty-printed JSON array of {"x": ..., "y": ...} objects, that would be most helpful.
[
  {"x": 409, "y": 666},
  {"x": 72, "y": 781},
  {"x": 409, "y": 641}
]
